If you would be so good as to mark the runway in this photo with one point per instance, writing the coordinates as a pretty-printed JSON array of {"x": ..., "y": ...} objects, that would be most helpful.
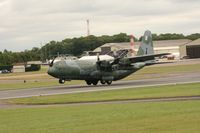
[{"x": 173, "y": 79}]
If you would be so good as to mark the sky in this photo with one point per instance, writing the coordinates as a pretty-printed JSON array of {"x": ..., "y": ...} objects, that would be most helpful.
[{"x": 26, "y": 24}]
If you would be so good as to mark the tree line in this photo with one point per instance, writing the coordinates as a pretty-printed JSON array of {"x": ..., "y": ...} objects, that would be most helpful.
[{"x": 76, "y": 46}]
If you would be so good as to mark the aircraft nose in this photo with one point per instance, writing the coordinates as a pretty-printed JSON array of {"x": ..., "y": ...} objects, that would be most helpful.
[{"x": 51, "y": 71}]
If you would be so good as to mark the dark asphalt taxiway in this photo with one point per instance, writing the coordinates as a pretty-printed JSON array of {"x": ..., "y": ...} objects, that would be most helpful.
[{"x": 174, "y": 79}]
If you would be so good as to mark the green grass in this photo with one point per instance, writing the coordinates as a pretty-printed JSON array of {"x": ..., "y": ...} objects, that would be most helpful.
[
  {"x": 161, "y": 117},
  {"x": 171, "y": 69},
  {"x": 146, "y": 92},
  {"x": 34, "y": 84},
  {"x": 28, "y": 84},
  {"x": 162, "y": 71}
]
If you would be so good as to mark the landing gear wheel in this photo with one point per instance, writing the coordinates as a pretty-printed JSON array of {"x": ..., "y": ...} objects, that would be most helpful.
[
  {"x": 61, "y": 81},
  {"x": 103, "y": 82},
  {"x": 109, "y": 82},
  {"x": 95, "y": 82},
  {"x": 88, "y": 82}
]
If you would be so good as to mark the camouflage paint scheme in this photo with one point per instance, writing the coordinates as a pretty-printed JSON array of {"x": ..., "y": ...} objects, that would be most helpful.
[{"x": 105, "y": 71}]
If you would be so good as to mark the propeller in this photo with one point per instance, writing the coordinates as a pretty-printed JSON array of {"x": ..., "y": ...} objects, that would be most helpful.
[
  {"x": 98, "y": 59},
  {"x": 103, "y": 65},
  {"x": 51, "y": 63},
  {"x": 116, "y": 61}
]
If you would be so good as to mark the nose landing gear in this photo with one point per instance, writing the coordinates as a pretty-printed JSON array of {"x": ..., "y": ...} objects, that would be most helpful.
[{"x": 61, "y": 81}]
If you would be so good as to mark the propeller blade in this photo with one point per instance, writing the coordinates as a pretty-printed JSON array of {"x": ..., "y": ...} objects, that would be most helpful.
[
  {"x": 98, "y": 59},
  {"x": 51, "y": 63}
]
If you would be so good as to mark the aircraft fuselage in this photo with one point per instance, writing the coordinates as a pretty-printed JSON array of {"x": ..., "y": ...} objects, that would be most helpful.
[{"x": 88, "y": 70}]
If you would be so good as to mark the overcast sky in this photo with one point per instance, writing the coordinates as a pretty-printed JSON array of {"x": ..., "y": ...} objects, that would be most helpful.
[{"x": 31, "y": 23}]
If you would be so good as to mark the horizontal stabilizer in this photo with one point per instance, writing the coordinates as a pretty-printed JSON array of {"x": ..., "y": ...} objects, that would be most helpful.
[
  {"x": 145, "y": 58},
  {"x": 142, "y": 58}
]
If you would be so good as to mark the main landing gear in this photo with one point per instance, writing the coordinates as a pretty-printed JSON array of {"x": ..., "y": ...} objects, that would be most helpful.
[
  {"x": 109, "y": 82},
  {"x": 90, "y": 82},
  {"x": 95, "y": 82}
]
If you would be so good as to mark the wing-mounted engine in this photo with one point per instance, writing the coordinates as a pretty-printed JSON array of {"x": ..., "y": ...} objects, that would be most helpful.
[
  {"x": 104, "y": 66},
  {"x": 124, "y": 62},
  {"x": 109, "y": 66}
]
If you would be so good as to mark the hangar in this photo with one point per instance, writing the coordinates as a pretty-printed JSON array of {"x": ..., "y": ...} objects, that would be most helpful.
[
  {"x": 176, "y": 47},
  {"x": 191, "y": 50}
]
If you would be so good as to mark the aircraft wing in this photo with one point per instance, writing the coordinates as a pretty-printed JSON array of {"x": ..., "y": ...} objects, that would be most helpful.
[{"x": 142, "y": 58}]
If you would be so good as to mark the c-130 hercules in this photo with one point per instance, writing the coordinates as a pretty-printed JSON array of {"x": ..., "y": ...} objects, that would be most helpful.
[{"x": 97, "y": 69}]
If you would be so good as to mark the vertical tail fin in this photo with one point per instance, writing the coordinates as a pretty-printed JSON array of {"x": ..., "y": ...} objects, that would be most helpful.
[{"x": 146, "y": 46}]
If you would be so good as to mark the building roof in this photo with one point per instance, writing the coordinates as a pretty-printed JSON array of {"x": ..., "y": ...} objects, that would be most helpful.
[
  {"x": 34, "y": 62},
  {"x": 163, "y": 43},
  {"x": 195, "y": 42},
  {"x": 169, "y": 43}
]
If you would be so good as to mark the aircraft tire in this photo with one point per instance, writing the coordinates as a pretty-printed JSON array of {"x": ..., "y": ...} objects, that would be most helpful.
[
  {"x": 103, "y": 82},
  {"x": 61, "y": 81},
  {"x": 88, "y": 82},
  {"x": 95, "y": 82},
  {"x": 109, "y": 82}
]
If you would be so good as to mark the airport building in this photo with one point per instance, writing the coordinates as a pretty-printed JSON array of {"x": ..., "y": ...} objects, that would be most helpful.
[
  {"x": 18, "y": 69},
  {"x": 181, "y": 48},
  {"x": 191, "y": 50}
]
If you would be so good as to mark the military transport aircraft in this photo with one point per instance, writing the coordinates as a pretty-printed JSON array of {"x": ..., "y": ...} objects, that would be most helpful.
[{"x": 104, "y": 68}]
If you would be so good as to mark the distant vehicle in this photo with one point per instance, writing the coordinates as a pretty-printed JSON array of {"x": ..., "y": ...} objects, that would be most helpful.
[
  {"x": 185, "y": 57},
  {"x": 4, "y": 71},
  {"x": 104, "y": 68},
  {"x": 169, "y": 57}
]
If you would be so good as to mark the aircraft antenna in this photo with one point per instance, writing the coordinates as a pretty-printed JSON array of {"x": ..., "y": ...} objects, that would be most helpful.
[
  {"x": 132, "y": 43},
  {"x": 88, "y": 27}
]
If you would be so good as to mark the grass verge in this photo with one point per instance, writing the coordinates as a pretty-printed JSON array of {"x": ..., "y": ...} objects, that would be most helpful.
[
  {"x": 162, "y": 117},
  {"x": 163, "y": 71},
  {"x": 34, "y": 84},
  {"x": 145, "y": 92}
]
